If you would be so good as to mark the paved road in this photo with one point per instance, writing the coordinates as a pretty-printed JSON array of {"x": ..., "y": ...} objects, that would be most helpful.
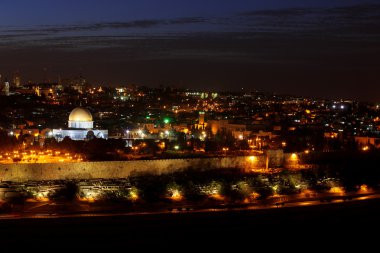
[
  {"x": 49, "y": 210},
  {"x": 331, "y": 226}
]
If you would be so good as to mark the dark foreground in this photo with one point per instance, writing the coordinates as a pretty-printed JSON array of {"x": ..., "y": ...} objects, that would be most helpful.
[{"x": 342, "y": 225}]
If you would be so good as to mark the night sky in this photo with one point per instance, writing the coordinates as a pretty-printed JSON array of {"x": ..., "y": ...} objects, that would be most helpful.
[{"x": 322, "y": 48}]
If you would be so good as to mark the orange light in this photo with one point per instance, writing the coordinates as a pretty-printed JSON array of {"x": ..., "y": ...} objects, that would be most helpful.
[
  {"x": 255, "y": 195},
  {"x": 217, "y": 196},
  {"x": 134, "y": 196},
  {"x": 336, "y": 189},
  {"x": 364, "y": 188},
  {"x": 176, "y": 195}
]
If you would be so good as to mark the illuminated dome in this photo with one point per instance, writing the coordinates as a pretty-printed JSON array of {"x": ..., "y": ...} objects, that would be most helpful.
[{"x": 80, "y": 118}]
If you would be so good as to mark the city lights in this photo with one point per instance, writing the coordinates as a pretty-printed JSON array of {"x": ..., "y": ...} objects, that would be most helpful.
[
  {"x": 337, "y": 190},
  {"x": 47, "y": 156},
  {"x": 185, "y": 124}
]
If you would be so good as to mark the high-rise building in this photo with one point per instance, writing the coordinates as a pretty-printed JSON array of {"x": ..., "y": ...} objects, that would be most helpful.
[
  {"x": 17, "y": 79},
  {"x": 6, "y": 88}
]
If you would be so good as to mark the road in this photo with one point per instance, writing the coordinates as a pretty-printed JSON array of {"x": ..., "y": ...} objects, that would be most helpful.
[
  {"x": 327, "y": 226},
  {"x": 49, "y": 210}
]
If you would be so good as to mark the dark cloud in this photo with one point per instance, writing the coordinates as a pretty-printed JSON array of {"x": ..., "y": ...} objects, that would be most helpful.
[
  {"x": 105, "y": 25},
  {"x": 328, "y": 52},
  {"x": 279, "y": 13}
]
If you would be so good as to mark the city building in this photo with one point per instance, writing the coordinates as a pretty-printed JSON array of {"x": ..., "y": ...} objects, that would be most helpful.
[
  {"x": 6, "y": 88},
  {"x": 17, "y": 80},
  {"x": 80, "y": 127},
  {"x": 201, "y": 125},
  {"x": 218, "y": 125}
]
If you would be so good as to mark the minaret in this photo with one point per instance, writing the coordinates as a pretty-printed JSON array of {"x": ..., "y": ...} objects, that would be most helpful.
[{"x": 201, "y": 120}]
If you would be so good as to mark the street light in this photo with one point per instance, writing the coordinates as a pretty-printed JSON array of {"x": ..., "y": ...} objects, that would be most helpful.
[{"x": 225, "y": 151}]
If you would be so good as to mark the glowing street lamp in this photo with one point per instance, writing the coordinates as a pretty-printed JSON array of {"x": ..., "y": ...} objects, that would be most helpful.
[
  {"x": 363, "y": 188},
  {"x": 294, "y": 157},
  {"x": 176, "y": 195},
  {"x": 134, "y": 194},
  {"x": 203, "y": 136}
]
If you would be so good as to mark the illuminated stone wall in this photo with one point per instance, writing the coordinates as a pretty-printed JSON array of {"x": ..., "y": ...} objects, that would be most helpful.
[{"x": 121, "y": 169}]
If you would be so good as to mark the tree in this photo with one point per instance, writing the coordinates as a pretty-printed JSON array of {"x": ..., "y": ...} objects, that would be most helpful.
[
  {"x": 90, "y": 135},
  {"x": 70, "y": 145},
  {"x": 51, "y": 143},
  {"x": 7, "y": 142}
]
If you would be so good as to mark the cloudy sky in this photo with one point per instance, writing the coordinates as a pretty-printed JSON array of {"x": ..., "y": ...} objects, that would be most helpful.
[{"x": 314, "y": 48}]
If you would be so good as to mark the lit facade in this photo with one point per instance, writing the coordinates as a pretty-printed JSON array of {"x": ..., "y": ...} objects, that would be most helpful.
[
  {"x": 80, "y": 118},
  {"x": 80, "y": 127}
]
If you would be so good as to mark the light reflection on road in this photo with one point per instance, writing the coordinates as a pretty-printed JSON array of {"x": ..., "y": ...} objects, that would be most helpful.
[{"x": 33, "y": 212}]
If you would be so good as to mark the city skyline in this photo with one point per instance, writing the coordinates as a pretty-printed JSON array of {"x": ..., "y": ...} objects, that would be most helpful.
[
  {"x": 173, "y": 123},
  {"x": 322, "y": 49}
]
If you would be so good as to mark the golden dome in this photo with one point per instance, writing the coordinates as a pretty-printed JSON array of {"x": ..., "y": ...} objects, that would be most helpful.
[{"x": 80, "y": 114}]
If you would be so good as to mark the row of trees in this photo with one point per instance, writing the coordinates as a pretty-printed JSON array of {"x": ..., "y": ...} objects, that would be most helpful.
[{"x": 235, "y": 186}]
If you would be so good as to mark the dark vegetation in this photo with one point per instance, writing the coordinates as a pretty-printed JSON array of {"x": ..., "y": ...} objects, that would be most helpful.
[{"x": 235, "y": 186}]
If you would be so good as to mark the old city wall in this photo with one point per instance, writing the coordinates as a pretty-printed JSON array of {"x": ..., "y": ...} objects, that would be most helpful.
[
  {"x": 121, "y": 169},
  {"x": 115, "y": 169}
]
